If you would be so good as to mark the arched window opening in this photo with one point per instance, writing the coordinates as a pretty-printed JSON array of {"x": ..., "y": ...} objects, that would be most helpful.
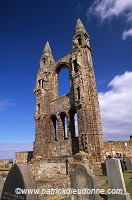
[
  {"x": 74, "y": 131},
  {"x": 43, "y": 60},
  {"x": 65, "y": 128},
  {"x": 76, "y": 124},
  {"x": 63, "y": 81},
  {"x": 75, "y": 65},
  {"x": 41, "y": 83},
  {"x": 79, "y": 41},
  {"x": 54, "y": 127},
  {"x": 64, "y": 124}
]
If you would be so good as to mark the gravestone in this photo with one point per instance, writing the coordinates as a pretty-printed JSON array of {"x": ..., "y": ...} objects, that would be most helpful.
[
  {"x": 116, "y": 180},
  {"x": 103, "y": 167},
  {"x": 122, "y": 165},
  {"x": 1, "y": 185},
  {"x": 21, "y": 177},
  {"x": 82, "y": 180},
  {"x": 128, "y": 162}
]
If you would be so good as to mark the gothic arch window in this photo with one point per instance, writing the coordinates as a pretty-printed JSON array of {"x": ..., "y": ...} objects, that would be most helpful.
[
  {"x": 63, "y": 80},
  {"x": 54, "y": 127},
  {"x": 64, "y": 124}
]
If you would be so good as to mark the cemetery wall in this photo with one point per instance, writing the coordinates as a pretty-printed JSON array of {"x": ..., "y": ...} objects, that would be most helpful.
[{"x": 121, "y": 148}]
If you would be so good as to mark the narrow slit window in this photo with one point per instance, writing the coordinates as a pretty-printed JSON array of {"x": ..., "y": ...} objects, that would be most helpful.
[
  {"x": 42, "y": 84},
  {"x": 44, "y": 60},
  {"x": 78, "y": 93},
  {"x": 38, "y": 108},
  {"x": 54, "y": 127},
  {"x": 39, "y": 83},
  {"x": 79, "y": 41},
  {"x": 75, "y": 65},
  {"x": 65, "y": 127},
  {"x": 76, "y": 124},
  {"x": 56, "y": 130}
]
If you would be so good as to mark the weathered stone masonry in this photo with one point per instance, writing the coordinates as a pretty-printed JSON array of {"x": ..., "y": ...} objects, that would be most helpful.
[{"x": 55, "y": 116}]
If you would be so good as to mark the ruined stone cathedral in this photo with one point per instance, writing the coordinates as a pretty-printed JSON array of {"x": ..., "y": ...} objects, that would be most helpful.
[{"x": 70, "y": 123}]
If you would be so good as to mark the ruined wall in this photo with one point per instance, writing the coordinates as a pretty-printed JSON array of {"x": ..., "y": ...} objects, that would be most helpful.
[
  {"x": 51, "y": 139},
  {"x": 5, "y": 162},
  {"x": 44, "y": 169},
  {"x": 119, "y": 148},
  {"x": 23, "y": 157}
]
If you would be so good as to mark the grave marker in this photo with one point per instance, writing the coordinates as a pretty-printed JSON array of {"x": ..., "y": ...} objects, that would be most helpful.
[
  {"x": 20, "y": 176},
  {"x": 128, "y": 163},
  {"x": 1, "y": 185},
  {"x": 83, "y": 179},
  {"x": 116, "y": 180}
]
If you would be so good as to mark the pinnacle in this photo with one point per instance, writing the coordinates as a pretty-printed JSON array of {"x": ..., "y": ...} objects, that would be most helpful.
[
  {"x": 47, "y": 49},
  {"x": 79, "y": 26}
]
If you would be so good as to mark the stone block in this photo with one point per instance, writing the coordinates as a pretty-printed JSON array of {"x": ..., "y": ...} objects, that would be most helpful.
[
  {"x": 83, "y": 179},
  {"x": 20, "y": 176},
  {"x": 128, "y": 162},
  {"x": 116, "y": 180}
]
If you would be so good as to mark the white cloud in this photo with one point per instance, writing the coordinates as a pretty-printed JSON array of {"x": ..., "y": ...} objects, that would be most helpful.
[
  {"x": 127, "y": 33},
  {"x": 107, "y": 9},
  {"x": 116, "y": 108},
  {"x": 4, "y": 103},
  {"x": 8, "y": 149}
]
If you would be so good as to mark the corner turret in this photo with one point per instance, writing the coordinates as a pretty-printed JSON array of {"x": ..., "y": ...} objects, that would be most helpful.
[
  {"x": 47, "y": 57},
  {"x": 81, "y": 37}
]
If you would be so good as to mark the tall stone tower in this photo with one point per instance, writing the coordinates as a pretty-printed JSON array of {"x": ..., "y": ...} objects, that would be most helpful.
[{"x": 70, "y": 123}]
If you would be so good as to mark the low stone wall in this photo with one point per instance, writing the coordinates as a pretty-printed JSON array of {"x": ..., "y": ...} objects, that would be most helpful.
[
  {"x": 119, "y": 148},
  {"x": 23, "y": 157},
  {"x": 58, "y": 167},
  {"x": 5, "y": 162},
  {"x": 46, "y": 169}
]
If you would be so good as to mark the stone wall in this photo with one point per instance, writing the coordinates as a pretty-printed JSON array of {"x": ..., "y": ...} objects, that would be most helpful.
[
  {"x": 23, "y": 157},
  {"x": 45, "y": 169},
  {"x": 119, "y": 148},
  {"x": 56, "y": 168},
  {"x": 5, "y": 162},
  {"x": 82, "y": 101}
]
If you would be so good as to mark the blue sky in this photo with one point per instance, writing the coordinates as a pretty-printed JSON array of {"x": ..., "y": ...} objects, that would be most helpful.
[{"x": 26, "y": 25}]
